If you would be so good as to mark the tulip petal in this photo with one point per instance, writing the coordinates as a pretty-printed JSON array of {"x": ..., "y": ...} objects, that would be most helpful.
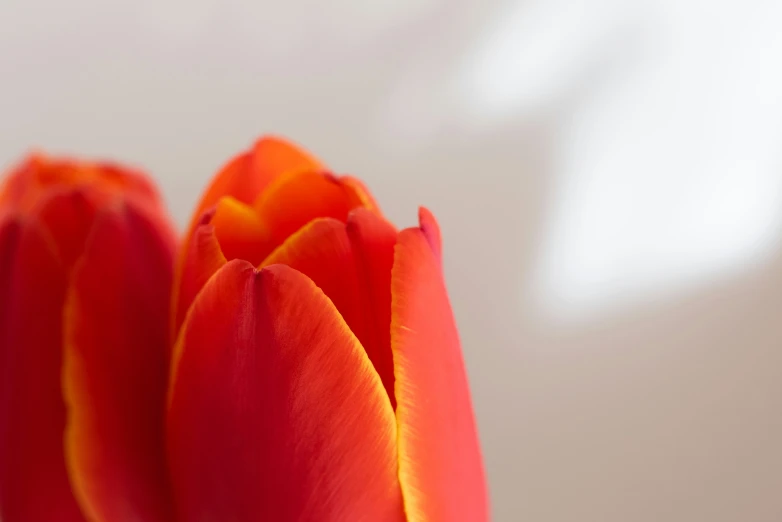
[
  {"x": 204, "y": 258},
  {"x": 274, "y": 156},
  {"x": 38, "y": 174},
  {"x": 237, "y": 180},
  {"x": 276, "y": 412},
  {"x": 352, "y": 265},
  {"x": 116, "y": 369},
  {"x": 239, "y": 230},
  {"x": 440, "y": 466},
  {"x": 321, "y": 250},
  {"x": 68, "y": 215},
  {"x": 246, "y": 176},
  {"x": 373, "y": 240},
  {"x": 33, "y": 479},
  {"x": 362, "y": 192},
  {"x": 289, "y": 204},
  {"x": 243, "y": 179},
  {"x": 295, "y": 200},
  {"x": 431, "y": 231}
]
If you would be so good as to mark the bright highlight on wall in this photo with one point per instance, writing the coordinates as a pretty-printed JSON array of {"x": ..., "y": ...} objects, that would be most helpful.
[{"x": 669, "y": 166}]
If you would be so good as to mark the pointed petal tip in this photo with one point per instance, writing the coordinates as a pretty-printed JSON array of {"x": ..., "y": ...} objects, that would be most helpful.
[
  {"x": 434, "y": 409},
  {"x": 431, "y": 229},
  {"x": 262, "y": 338}
]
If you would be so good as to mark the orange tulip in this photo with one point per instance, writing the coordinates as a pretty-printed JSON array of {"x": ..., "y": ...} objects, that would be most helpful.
[
  {"x": 316, "y": 370},
  {"x": 299, "y": 362},
  {"x": 86, "y": 261}
]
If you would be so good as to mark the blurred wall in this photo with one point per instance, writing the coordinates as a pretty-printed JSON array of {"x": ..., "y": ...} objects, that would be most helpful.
[{"x": 606, "y": 173}]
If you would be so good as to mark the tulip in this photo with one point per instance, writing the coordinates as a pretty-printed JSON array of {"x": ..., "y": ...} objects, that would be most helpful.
[
  {"x": 316, "y": 368},
  {"x": 86, "y": 263}
]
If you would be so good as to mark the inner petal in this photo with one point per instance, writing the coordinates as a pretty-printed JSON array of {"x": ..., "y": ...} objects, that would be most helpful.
[
  {"x": 252, "y": 232},
  {"x": 351, "y": 264},
  {"x": 297, "y": 199}
]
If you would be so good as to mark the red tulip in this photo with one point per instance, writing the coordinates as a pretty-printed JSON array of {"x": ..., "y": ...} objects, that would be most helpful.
[
  {"x": 317, "y": 372},
  {"x": 86, "y": 257}
]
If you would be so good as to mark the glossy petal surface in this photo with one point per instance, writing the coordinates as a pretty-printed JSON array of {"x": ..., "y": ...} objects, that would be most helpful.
[
  {"x": 276, "y": 412},
  {"x": 295, "y": 200},
  {"x": 322, "y": 251},
  {"x": 204, "y": 258},
  {"x": 439, "y": 456},
  {"x": 351, "y": 263},
  {"x": 274, "y": 156},
  {"x": 33, "y": 480},
  {"x": 241, "y": 233},
  {"x": 237, "y": 229},
  {"x": 116, "y": 368},
  {"x": 248, "y": 174},
  {"x": 373, "y": 240}
]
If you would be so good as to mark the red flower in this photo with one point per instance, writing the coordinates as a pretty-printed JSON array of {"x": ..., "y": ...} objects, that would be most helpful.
[
  {"x": 301, "y": 364},
  {"x": 85, "y": 274},
  {"x": 317, "y": 372}
]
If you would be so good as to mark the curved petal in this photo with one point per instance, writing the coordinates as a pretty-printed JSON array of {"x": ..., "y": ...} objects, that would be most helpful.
[
  {"x": 352, "y": 265},
  {"x": 38, "y": 174},
  {"x": 321, "y": 250},
  {"x": 440, "y": 466},
  {"x": 295, "y": 200},
  {"x": 241, "y": 181},
  {"x": 274, "y": 156},
  {"x": 362, "y": 193},
  {"x": 373, "y": 240},
  {"x": 204, "y": 258},
  {"x": 33, "y": 479},
  {"x": 236, "y": 179},
  {"x": 240, "y": 231},
  {"x": 431, "y": 231},
  {"x": 68, "y": 215},
  {"x": 248, "y": 174},
  {"x": 276, "y": 412},
  {"x": 116, "y": 368}
]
